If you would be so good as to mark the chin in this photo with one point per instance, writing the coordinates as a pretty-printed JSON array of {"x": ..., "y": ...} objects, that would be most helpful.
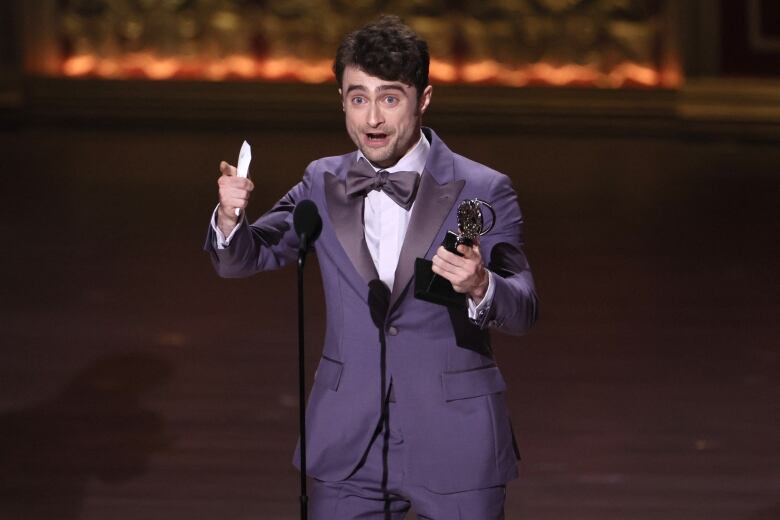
[{"x": 379, "y": 159}]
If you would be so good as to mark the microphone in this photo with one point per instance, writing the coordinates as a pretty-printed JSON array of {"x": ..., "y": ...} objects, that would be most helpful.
[{"x": 308, "y": 224}]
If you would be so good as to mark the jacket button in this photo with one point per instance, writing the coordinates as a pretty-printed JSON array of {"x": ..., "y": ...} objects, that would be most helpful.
[{"x": 392, "y": 331}]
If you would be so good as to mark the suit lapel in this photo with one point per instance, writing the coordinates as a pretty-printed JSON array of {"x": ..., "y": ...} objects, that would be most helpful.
[
  {"x": 346, "y": 215},
  {"x": 435, "y": 197}
]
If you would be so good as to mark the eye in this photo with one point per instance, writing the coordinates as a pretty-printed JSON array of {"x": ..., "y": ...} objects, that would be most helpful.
[
  {"x": 358, "y": 100},
  {"x": 391, "y": 100}
]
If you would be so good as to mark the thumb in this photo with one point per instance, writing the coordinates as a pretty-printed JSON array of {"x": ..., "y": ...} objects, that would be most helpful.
[
  {"x": 227, "y": 169},
  {"x": 471, "y": 251}
]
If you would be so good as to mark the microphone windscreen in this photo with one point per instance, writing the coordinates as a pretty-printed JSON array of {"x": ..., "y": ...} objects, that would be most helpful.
[{"x": 307, "y": 221}]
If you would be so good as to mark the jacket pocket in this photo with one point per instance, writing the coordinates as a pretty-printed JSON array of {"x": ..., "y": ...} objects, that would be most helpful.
[
  {"x": 329, "y": 373},
  {"x": 472, "y": 383}
]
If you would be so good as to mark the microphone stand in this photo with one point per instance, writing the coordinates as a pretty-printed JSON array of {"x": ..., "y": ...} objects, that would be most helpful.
[
  {"x": 308, "y": 225},
  {"x": 304, "y": 499}
]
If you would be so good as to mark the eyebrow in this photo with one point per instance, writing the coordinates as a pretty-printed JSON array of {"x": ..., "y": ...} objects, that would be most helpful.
[{"x": 391, "y": 86}]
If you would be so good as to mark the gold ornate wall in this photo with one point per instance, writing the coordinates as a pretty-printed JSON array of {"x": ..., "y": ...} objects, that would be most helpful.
[{"x": 607, "y": 43}]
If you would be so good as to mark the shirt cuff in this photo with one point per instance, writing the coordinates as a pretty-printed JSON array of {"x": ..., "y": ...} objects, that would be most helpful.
[
  {"x": 477, "y": 311},
  {"x": 221, "y": 241}
]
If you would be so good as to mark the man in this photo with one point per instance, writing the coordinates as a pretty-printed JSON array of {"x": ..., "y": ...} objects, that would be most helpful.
[{"x": 407, "y": 407}]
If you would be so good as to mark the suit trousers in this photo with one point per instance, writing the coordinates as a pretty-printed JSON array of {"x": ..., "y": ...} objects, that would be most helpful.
[{"x": 378, "y": 490}]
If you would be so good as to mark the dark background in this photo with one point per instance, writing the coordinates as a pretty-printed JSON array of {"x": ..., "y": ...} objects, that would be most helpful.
[{"x": 136, "y": 384}]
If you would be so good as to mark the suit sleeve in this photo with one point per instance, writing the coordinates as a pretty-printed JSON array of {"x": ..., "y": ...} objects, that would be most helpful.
[
  {"x": 514, "y": 307},
  {"x": 268, "y": 243}
]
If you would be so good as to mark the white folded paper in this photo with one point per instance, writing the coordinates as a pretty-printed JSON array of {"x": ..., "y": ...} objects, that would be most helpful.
[{"x": 244, "y": 158}]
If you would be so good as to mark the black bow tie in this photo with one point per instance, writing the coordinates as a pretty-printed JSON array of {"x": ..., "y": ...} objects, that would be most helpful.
[{"x": 399, "y": 186}]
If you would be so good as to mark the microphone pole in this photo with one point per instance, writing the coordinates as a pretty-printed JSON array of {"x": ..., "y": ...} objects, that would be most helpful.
[
  {"x": 308, "y": 225},
  {"x": 302, "y": 386}
]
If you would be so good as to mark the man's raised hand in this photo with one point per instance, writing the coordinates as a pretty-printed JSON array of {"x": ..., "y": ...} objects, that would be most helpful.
[{"x": 234, "y": 194}]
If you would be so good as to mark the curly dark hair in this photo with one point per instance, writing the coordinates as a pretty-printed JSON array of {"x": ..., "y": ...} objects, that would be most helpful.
[{"x": 387, "y": 49}]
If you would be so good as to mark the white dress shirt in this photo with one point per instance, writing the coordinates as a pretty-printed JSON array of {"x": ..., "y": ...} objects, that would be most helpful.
[
  {"x": 385, "y": 225},
  {"x": 385, "y": 221}
]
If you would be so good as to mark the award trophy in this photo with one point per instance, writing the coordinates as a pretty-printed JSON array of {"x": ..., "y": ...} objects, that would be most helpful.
[{"x": 471, "y": 224}]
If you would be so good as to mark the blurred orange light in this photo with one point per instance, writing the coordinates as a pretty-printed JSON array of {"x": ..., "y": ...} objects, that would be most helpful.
[
  {"x": 481, "y": 71},
  {"x": 631, "y": 71},
  {"x": 563, "y": 75},
  {"x": 161, "y": 68},
  {"x": 443, "y": 71},
  {"x": 148, "y": 65},
  {"x": 243, "y": 66},
  {"x": 79, "y": 65}
]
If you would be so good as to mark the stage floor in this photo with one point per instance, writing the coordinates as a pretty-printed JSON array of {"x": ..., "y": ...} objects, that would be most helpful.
[{"x": 135, "y": 384}]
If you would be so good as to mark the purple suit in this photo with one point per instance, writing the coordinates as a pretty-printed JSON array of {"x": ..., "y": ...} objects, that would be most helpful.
[{"x": 449, "y": 393}]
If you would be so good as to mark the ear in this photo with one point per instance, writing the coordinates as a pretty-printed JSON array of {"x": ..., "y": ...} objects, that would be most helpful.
[
  {"x": 425, "y": 99},
  {"x": 341, "y": 97}
]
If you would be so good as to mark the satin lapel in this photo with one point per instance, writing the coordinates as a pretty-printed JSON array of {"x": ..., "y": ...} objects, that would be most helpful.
[
  {"x": 346, "y": 215},
  {"x": 434, "y": 201}
]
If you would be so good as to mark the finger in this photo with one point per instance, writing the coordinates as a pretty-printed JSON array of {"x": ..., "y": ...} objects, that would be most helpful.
[
  {"x": 234, "y": 202},
  {"x": 443, "y": 263},
  {"x": 227, "y": 200},
  {"x": 227, "y": 169},
  {"x": 471, "y": 253},
  {"x": 443, "y": 268},
  {"x": 230, "y": 189},
  {"x": 226, "y": 182},
  {"x": 453, "y": 274},
  {"x": 443, "y": 272},
  {"x": 449, "y": 256},
  {"x": 455, "y": 279},
  {"x": 235, "y": 192}
]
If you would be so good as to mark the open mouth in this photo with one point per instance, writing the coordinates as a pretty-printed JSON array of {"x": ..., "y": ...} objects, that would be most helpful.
[{"x": 376, "y": 137}]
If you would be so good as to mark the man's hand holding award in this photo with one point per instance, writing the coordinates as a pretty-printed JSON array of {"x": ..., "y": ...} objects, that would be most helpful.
[{"x": 457, "y": 269}]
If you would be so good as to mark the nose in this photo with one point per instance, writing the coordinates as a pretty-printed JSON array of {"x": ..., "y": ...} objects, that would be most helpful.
[{"x": 375, "y": 116}]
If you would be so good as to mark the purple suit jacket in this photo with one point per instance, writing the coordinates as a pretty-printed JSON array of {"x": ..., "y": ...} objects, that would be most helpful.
[{"x": 449, "y": 392}]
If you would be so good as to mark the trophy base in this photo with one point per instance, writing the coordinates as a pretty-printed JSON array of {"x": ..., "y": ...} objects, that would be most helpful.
[{"x": 434, "y": 289}]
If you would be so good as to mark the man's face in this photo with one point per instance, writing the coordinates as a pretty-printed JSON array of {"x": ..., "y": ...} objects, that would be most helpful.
[{"x": 383, "y": 117}]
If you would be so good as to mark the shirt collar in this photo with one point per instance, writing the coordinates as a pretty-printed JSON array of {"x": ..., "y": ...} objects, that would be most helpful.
[{"x": 413, "y": 161}]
